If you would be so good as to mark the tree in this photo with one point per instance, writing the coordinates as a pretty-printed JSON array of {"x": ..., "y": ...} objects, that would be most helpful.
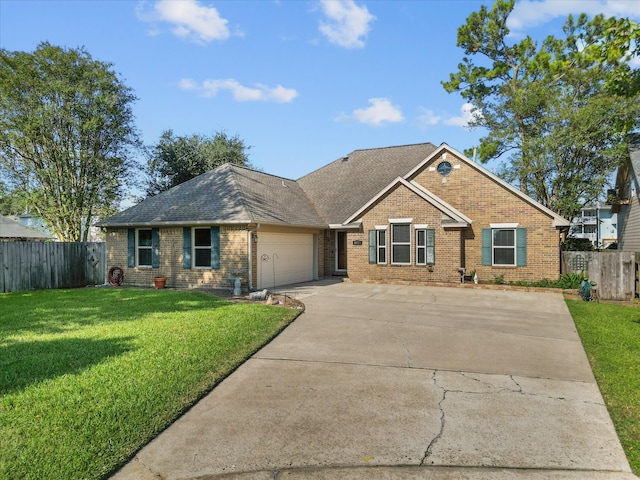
[
  {"x": 559, "y": 112},
  {"x": 176, "y": 159},
  {"x": 67, "y": 135},
  {"x": 11, "y": 202}
]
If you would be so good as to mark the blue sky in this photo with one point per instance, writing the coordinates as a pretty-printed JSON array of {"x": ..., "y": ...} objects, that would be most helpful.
[{"x": 303, "y": 82}]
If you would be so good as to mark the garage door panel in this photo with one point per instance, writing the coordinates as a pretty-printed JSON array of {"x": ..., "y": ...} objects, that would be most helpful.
[{"x": 289, "y": 256}]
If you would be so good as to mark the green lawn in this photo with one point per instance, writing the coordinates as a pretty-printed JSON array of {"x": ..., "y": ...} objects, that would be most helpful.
[
  {"x": 88, "y": 376},
  {"x": 611, "y": 337}
]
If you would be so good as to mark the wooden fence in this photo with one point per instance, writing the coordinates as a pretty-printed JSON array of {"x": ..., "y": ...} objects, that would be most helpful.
[
  {"x": 43, "y": 265},
  {"x": 614, "y": 272}
]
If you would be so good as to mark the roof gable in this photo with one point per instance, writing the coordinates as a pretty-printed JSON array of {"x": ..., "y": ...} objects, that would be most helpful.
[
  {"x": 558, "y": 221},
  {"x": 340, "y": 188},
  {"x": 458, "y": 219}
]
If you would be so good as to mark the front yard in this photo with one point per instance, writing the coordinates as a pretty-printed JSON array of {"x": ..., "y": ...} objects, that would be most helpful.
[
  {"x": 89, "y": 376},
  {"x": 611, "y": 338}
]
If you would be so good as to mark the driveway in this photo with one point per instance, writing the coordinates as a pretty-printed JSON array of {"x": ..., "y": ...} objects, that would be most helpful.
[{"x": 402, "y": 382}]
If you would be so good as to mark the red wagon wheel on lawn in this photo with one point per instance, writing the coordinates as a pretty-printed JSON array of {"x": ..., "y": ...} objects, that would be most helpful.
[{"x": 116, "y": 276}]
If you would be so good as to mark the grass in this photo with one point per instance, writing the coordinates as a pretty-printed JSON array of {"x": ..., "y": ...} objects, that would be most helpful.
[
  {"x": 611, "y": 337},
  {"x": 89, "y": 376}
]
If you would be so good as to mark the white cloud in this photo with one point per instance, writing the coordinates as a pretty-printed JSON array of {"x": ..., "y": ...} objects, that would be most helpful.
[
  {"x": 190, "y": 20},
  {"x": 530, "y": 13},
  {"x": 346, "y": 23},
  {"x": 463, "y": 120},
  {"x": 428, "y": 118},
  {"x": 380, "y": 111},
  {"x": 241, "y": 93}
]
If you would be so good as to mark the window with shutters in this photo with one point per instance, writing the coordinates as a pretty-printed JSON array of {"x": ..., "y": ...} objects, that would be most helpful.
[
  {"x": 401, "y": 244},
  {"x": 425, "y": 246},
  {"x": 504, "y": 246},
  {"x": 144, "y": 247},
  {"x": 202, "y": 247}
]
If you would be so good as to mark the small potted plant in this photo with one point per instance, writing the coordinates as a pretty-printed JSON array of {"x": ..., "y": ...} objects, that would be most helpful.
[{"x": 159, "y": 281}]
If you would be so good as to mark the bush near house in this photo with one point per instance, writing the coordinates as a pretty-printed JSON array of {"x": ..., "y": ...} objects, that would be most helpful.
[{"x": 89, "y": 376}]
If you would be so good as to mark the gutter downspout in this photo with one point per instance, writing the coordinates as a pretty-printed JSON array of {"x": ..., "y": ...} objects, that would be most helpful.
[{"x": 250, "y": 232}]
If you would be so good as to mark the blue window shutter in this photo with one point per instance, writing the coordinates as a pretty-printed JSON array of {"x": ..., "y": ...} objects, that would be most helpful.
[
  {"x": 486, "y": 247},
  {"x": 215, "y": 247},
  {"x": 155, "y": 248},
  {"x": 186, "y": 247},
  {"x": 372, "y": 246},
  {"x": 521, "y": 247},
  {"x": 131, "y": 247}
]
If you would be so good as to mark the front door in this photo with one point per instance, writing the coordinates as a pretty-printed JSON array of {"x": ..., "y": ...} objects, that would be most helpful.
[{"x": 342, "y": 250}]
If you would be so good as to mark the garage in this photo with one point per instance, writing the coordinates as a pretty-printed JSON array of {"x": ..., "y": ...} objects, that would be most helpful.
[{"x": 284, "y": 258}]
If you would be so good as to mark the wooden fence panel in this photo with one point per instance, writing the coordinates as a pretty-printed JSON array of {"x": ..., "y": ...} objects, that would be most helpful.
[
  {"x": 614, "y": 272},
  {"x": 43, "y": 265}
]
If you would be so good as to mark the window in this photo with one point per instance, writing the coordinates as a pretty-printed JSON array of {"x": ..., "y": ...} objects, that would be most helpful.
[
  {"x": 144, "y": 248},
  {"x": 504, "y": 247},
  {"x": 202, "y": 247},
  {"x": 378, "y": 245},
  {"x": 401, "y": 244},
  {"x": 425, "y": 246},
  {"x": 381, "y": 256}
]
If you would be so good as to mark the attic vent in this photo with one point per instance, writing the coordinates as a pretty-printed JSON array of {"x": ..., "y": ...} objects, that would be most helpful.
[{"x": 344, "y": 159}]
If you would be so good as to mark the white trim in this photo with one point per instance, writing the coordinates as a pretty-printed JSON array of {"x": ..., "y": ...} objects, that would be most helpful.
[
  {"x": 422, "y": 192},
  {"x": 381, "y": 227},
  {"x": 420, "y": 226},
  {"x": 401, "y": 220},
  {"x": 503, "y": 225},
  {"x": 443, "y": 206},
  {"x": 408, "y": 244},
  {"x": 382, "y": 247},
  {"x": 558, "y": 221},
  {"x": 340, "y": 226}
]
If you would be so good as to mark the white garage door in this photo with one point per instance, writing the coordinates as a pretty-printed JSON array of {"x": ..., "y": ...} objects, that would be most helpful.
[{"x": 284, "y": 258}]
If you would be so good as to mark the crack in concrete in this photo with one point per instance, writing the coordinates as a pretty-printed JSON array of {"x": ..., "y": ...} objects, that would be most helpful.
[
  {"x": 159, "y": 476},
  {"x": 407, "y": 353},
  {"x": 435, "y": 439}
]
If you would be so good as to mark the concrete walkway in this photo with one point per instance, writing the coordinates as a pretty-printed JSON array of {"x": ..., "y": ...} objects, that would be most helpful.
[{"x": 397, "y": 382}]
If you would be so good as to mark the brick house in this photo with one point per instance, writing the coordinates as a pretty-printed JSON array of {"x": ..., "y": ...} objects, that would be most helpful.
[{"x": 413, "y": 213}]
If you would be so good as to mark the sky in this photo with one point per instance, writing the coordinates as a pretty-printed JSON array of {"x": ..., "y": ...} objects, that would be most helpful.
[{"x": 301, "y": 82}]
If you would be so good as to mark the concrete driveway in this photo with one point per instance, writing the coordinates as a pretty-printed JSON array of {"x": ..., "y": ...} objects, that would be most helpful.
[{"x": 399, "y": 382}]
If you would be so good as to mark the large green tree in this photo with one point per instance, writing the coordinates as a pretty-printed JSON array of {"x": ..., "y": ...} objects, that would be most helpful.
[
  {"x": 176, "y": 159},
  {"x": 67, "y": 135},
  {"x": 558, "y": 112}
]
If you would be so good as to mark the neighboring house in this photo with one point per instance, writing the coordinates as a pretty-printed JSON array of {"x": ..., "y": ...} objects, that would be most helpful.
[
  {"x": 412, "y": 213},
  {"x": 598, "y": 224},
  {"x": 624, "y": 199},
  {"x": 13, "y": 231}
]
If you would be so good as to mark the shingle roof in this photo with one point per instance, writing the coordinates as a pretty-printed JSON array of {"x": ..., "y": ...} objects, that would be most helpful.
[
  {"x": 229, "y": 194},
  {"x": 340, "y": 188},
  {"x": 12, "y": 229}
]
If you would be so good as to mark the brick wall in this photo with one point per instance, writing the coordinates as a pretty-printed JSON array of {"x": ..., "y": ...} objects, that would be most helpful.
[
  {"x": 233, "y": 260},
  {"x": 403, "y": 203},
  {"x": 486, "y": 201},
  {"x": 480, "y": 198}
]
